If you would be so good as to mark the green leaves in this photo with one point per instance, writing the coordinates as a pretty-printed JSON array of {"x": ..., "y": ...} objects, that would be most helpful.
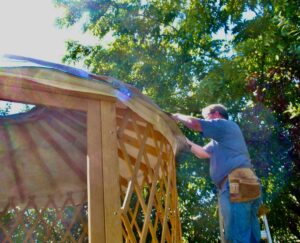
[
  {"x": 294, "y": 111},
  {"x": 160, "y": 47}
]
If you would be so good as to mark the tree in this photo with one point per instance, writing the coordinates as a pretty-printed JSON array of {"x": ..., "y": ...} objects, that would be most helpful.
[{"x": 158, "y": 46}]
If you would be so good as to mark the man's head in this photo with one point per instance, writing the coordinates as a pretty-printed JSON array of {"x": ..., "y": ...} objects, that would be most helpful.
[{"x": 215, "y": 111}]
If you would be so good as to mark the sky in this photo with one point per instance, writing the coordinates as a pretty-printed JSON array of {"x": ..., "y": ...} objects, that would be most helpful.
[{"x": 27, "y": 28}]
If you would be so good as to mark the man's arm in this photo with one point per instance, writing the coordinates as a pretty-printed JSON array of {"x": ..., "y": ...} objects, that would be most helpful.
[
  {"x": 188, "y": 121},
  {"x": 198, "y": 151}
]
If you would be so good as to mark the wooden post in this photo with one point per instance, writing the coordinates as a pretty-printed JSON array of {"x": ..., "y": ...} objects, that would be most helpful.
[
  {"x": 112, "y": 202},
  {"x": 96, "y": 221},
  {"x": 103, "y": 173}
]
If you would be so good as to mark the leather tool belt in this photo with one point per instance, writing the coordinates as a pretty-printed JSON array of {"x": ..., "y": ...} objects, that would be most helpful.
[{"x": 243, "y": 185}]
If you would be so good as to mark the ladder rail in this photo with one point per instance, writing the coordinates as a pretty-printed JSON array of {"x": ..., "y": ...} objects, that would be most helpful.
[
  {"x": 221, "y": 222},
  {"x": 267, "y": 229}
]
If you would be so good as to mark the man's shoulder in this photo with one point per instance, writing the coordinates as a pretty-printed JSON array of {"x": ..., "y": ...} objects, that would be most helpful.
[
  {"x": 221, "y": 121},
  {"x": 227, "y": 126}
]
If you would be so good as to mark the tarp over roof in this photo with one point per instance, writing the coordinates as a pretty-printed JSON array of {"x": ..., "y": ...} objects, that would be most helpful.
[{"x": 54, "y": 139}]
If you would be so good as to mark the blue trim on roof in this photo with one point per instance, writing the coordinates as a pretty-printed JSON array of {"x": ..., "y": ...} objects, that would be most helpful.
[
  {"x": 20, "y": 61},
  {"x": 15, "y": 61}
]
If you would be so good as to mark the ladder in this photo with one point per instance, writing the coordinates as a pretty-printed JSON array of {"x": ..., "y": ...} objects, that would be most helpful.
[{"x": 265, "y": 233}]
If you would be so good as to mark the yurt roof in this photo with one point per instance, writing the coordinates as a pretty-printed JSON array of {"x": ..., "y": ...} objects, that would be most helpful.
[{"x": 46, "y": 143}]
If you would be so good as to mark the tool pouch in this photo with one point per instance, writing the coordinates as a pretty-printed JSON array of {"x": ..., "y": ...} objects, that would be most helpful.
[{"x": 243, "y": 185}]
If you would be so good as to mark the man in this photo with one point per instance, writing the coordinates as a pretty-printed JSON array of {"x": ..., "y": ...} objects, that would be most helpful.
[{"x": 230, "y": 170}]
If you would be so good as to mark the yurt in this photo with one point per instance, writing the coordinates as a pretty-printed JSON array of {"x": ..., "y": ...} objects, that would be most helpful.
[{"x": 91, "y": 160}]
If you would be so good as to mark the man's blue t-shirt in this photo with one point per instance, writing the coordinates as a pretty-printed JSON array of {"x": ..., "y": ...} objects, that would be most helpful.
[{"x": 227, "y": 148}]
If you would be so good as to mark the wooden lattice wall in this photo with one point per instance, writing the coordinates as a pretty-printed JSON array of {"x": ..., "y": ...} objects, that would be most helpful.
[
  {"x": 50, "y": 223},
  {"x": 149, "y": 209}
]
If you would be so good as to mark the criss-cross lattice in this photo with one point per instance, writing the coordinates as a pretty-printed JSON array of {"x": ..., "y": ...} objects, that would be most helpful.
[
  {"x": 50, "y": 223},
  {"x": 149, "y": 196}
]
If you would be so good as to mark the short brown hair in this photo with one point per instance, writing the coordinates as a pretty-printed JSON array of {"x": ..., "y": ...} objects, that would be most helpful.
[{"x": 214, "y": 108}]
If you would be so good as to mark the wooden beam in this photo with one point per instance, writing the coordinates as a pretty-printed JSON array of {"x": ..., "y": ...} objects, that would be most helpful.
[
  {"x": 20, "y": 94},
  {"x": 23, "y": 90},
  {"x": 103, "y": 174},
  {"x": 111, "y": 173},
  {"x": 28, "y": 84},
  {"x": 96, "y": 220}
]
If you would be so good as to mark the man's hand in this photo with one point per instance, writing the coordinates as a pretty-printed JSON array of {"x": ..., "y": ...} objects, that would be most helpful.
[
  {"x": 189, "y": 142},
  {"x": 175, "y": 117},
  {"x": 197, "y": 150}
]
